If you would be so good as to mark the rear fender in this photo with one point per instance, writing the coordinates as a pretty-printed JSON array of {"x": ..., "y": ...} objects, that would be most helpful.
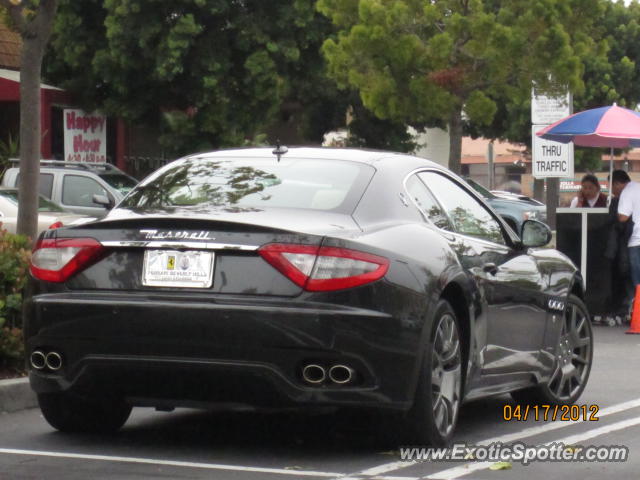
[{"x": 464, "y": 297}]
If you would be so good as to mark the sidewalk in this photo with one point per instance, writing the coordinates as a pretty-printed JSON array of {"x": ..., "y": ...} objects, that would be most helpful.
[{"x": 16, "y": 394}]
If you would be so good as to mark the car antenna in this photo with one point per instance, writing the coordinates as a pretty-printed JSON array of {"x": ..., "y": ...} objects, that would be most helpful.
[{"x": 280, "y": 150}]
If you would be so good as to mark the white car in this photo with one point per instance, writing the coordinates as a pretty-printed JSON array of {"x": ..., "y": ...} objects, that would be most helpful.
[{"x": 50, "y": 214}]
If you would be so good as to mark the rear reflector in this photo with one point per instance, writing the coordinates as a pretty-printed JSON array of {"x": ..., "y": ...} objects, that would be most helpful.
[
  {"x": 57, "y": 259},
  {"x": 324, "y": 268}
]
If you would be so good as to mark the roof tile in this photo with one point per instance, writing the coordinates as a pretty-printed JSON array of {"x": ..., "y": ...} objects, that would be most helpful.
[{"x": 10, "y": 44}]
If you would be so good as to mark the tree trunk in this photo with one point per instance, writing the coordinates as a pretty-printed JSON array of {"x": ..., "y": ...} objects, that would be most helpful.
[
  {"x": 455, "y": 141},
  {"x": 31, "y": 61},
  {"x": 35, "y": 33}
]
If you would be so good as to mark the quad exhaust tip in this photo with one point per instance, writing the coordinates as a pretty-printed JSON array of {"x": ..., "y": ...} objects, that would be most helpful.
[
  {"x": 314, "y": 374},
  {"x": 38, "y": 360},
  {"x": 51, "y": 360},
  {"x": 341, "y": 374},
  {"x": 54, "y": 361}
]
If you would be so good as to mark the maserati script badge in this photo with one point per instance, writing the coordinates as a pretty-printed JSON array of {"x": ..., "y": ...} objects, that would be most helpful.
[{"x": 176, "y": 235}]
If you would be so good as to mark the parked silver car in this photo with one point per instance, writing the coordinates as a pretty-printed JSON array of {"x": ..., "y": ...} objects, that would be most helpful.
[
  {"x": 76, "y": 185},
  {"x": 50, "y": 215},
  {"x": 514, "y": 208}
]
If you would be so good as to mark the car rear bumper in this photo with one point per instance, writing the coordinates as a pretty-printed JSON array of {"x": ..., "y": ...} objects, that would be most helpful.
[{"x": 182, "y": 351}]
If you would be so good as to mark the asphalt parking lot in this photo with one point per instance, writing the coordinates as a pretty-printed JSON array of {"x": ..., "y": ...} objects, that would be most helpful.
[{"x": 192, "y": 444}]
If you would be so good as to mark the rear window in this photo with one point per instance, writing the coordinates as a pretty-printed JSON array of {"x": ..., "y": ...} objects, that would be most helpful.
[
  {"x": 330, "y": 185},
  {"x": 120, "y": 182}
]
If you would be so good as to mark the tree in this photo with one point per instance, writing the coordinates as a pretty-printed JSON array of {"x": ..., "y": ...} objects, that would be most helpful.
[
  {"x": 207, "y": 73},
  {"x": 444, "y": 60},
  {"x": 611, "y": 74},
  {"x": 368, "y": 131},
  {"x": 33, "y": 19}
]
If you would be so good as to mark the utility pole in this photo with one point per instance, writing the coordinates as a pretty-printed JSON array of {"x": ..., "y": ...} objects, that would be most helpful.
[{"x": 492, "y": 171}]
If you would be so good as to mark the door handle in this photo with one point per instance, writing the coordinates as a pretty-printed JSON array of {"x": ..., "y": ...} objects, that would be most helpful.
[{"x": 490, "y": 268}]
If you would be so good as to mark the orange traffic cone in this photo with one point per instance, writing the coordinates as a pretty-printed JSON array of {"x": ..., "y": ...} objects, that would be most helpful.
[{"x": 635, "y": 314}]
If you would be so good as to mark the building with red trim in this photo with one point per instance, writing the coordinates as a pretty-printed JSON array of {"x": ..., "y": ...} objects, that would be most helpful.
[{"x": 53, "y": 101}]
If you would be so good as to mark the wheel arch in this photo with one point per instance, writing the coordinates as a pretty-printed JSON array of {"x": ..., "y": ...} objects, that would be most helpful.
[{"x": 577, "y": 287}]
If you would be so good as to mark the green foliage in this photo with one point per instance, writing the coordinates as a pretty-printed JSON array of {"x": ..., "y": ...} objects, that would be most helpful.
[
  {"x": 426, "y": 62},
  {"x": 9, "y": 149},
  {"x": 207, "y": 73},
  {"x": 588, "y": 159},
  {"x": 11, "y": 347},
  {"x": 611, "y": 74},
  {"x": 14, "y": 260},
  {"x": 479, "y": 108},
  {"x": 368, "y": 131}
]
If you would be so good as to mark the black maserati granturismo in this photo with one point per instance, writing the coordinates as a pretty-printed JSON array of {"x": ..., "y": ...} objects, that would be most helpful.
[{"x": 307, "y": 277}]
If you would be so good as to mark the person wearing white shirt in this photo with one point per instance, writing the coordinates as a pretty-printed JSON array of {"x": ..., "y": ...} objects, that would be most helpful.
[{"x": 629, "y": 207}]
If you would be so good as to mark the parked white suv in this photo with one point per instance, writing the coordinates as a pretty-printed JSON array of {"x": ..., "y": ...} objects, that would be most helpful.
[{"x": 87, "y": 188}]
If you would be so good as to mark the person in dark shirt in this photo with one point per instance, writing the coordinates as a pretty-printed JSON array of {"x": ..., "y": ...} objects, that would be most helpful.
[{"x": 617, "y": 252}]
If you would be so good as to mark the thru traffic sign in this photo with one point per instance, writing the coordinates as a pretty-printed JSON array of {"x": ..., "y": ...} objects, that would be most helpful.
[{"x": 551, "y": 159}]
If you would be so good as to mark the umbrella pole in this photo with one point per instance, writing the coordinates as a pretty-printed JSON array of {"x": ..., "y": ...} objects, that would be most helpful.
[{"x": 610, "y": 177}]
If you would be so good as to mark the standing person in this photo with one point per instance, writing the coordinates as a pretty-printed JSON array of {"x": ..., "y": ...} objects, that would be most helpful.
[
  {"x": 589, "y": 195},
  {"x": 629, "y": 206},
  {"x": 617, "y": 252}
]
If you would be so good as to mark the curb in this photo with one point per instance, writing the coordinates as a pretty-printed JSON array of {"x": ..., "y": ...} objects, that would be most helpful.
[{"x": 16, "y": 394}]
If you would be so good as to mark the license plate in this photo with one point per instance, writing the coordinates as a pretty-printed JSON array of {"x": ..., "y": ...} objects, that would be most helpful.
[{"x": 172, "y": 268}]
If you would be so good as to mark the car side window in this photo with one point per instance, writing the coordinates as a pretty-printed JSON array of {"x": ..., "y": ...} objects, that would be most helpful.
[
  {"x": 79, "y": 191},
  {"x": 468, "y": 215},
  {"x": 46, "y": 183},
  {"x": 428, "y": 205}
]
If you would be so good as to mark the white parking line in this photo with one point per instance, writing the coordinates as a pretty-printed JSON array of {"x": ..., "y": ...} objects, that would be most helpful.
[
  {"x": 526, "y": 433},
  {"x": 172, "y": 463},
  {"x": 374, "y": 473},
  {"x": 457, "y": 472}
]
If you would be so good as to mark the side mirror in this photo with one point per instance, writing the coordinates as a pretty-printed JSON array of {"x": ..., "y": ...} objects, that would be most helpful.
[
  {"x": 535, "y": 234},
  {"x": 103, "y": 201}
]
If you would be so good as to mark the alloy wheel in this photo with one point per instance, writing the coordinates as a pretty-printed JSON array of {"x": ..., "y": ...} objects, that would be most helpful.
[
  {"x": 573, "y": 355},
  {"x": 446, "y": 368}
]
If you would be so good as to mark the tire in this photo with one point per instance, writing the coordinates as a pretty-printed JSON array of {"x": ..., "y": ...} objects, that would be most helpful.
[
  {"x": 73, "y": 413},
  {"x": 573, "y": 358},
  {"x": 434, "y": 415}
]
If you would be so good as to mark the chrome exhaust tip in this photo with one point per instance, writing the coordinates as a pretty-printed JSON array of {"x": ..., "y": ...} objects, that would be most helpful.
[
  {"x": 38, "y": 360},
  {"x": 314, "y": 374},
  {"x": 53, "y": 361},
  {"x": 341, "y": 374}
]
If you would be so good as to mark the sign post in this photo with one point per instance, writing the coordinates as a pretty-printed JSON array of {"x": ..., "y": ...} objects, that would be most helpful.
[{"x": 550, "y": 160}]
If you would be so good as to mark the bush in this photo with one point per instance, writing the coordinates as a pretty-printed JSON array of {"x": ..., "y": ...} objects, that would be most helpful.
[
  {"x": 8, "y": 149},
  {"x": 14, "y": 264}
]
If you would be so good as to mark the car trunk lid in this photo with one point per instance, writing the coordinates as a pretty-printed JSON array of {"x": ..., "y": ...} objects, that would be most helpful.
[{"x": 148, "y": 253}]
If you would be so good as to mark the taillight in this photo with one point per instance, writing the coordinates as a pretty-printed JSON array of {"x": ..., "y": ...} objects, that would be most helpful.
[
  {"x": 324, "y": 268},
  {"x": 57, "y": 259},
  {"x": 55, "y": 225}
]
